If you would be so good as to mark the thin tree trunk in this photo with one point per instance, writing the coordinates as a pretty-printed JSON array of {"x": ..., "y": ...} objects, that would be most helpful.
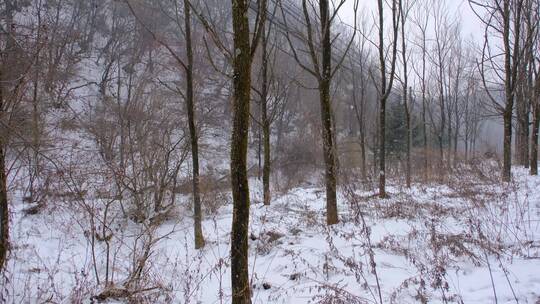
[
  {"x": 265, "y": 121},
  {"x": 361, "y": 124},
  {"x": 190, "y": 103},
  {"x": 382, "y": 107},
  {"x": 386, "y": 88},
  {"x": 4, "y": 204},
  {"x": 4, "y": 207},
  {"x": 424, "y": 108},
  {"x": 534, "y": 141},
  {"x": 363, "y": 147},
  {"x": 424, "y": 136},
  {"x": 442, "y": 128},
  {"x": 239, "y": 144},
  {"x": 507, "y": 144},
  {"x": 449, "y": 136},
  {"x": 327, "y": 116},
  {"x": 406, "y": 97},
  {"x": 409, "y": 137},
  {"x": 456, "y": 138}
]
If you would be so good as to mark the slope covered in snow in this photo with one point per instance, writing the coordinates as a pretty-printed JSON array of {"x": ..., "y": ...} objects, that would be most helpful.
[{"x": 469, "y": 240}]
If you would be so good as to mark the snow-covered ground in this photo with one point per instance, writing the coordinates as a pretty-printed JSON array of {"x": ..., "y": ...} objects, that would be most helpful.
[{"x": 468, "y": 240}]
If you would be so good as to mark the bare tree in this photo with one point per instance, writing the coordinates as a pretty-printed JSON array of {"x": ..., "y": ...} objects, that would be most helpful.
[
  {"x": 359, "y": 76},
  {"x": 535, "y": 124},
  {"x": 16, "y": 61},
  {"x": 404, "y": 9},
  {"x": 197, "y": 214},
  {"x": 386, "y": 83},
  {"x": 441, "y": 60},
  {"x": 188, "y": 95},
  {"x": 533, "y": 18},
  {"x": 244, "y": 51},
  {"x": 421, "y": 21},
  {"x": 503, "y": 19},
  {"x": 320, "y": 67}
]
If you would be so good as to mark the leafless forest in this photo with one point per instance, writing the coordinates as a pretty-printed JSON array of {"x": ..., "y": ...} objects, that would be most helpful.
[{"x": 269, "y": 151}]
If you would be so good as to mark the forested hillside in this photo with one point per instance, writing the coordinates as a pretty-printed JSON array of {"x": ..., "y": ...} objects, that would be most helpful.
[{"x": 269, "y": 151}]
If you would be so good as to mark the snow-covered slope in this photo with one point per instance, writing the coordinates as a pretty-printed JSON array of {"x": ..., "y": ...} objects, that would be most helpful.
[{"x": 467, "y": 241}]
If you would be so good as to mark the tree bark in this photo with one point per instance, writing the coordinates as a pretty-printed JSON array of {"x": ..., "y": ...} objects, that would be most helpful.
[
  {"x": 265, "y": 121},
  {"x": 239, "y": 144},
  {"x": 190, "y": 103},
  {"x": 326, "y": 116},
  {"x": 522, "y": 119},
  {"x": 406, "y": 97},
  {"x": 511, "y": 64},
  {"x": 385, "y": 90},
  {"x": 4, "y": 204},
  {"x": 534, "y": 141},
  {"x": 507, "y": 143},
  {"x": 409, "y": 136},
  {"x": 359, "y": 111},
  {"x": 4, "y": 208}
]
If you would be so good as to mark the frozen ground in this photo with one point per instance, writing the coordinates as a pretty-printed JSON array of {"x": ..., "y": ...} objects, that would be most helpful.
[{"x": 468, "y": 240}]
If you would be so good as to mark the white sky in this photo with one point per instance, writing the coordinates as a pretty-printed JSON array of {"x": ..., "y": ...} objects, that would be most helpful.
[{"x": 470, "y": 24}]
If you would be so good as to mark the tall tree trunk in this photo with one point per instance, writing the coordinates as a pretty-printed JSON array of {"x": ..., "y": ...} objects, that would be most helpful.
[
  {"x": 534, "y": 141},
  {"x": 386, "y": 88},
  {"x": 522, "y": 126},
  {"x": 4, "y": 207},
  {"x": 409, "y": 137},
  {"x": 363, "y": 146},
  {"x": 239, "y": 143},
  {"x": 327, "y": 116},
  {"x": 359, "y": 111},
  {"x": 190, "y": 103},
  {"x": 449, "y": 136},
  {"x": 4, "y": 81},
  {"x": 507, "y": 144},
  {"x": 512, "y": 57},
  {"x": 382, "y": 150},
  {"x": 424, "y": 136},
  {"x": 265, "y": 121},
  {"x": 456, "y": 137},
  {"x": 406, "y": 96},
  {"x": 442, "y": 123},
  {"x": 382, "y": 107}
]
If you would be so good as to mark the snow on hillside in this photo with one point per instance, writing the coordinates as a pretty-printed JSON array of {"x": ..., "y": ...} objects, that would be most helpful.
[{"x": 467, "y": 241}]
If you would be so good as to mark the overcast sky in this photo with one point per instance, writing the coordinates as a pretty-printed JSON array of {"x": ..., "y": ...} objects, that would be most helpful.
[{"x": 470, "y": 23}]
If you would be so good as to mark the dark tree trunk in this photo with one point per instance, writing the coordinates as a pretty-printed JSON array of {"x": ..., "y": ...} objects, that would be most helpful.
[
  {"x": 4, "y": 81},
  {"x": 359, "y": 111},
  {"x": 265, "y": 121},
  {"x": 507, "y": 144},
  {"x": 326, "y": 116},
  {"x": 4, "y": 207},
  {"x": 363, "y": 147},
  {"x": 511, "y": 64},
  {"x": 449, "y": 137},
  {"x": 534, "y": 141},
  {"x": 424, "y": 109},
  {"x": 406, "y": 97},
  {"x": 386, "y": 88},
  {"x": 522, "y": 118},
  {"x": 409, "y": 136},
  {"x": 4, "y": 210},
  {"x": 442, "y": 128},
  {"x": 382, "y": 107},
  {"x": 456, "y": 138},
  {"x": 190, "y": 103},
  {"x": 239, "y": 144},
  {"x": 424, "y": 135}
]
